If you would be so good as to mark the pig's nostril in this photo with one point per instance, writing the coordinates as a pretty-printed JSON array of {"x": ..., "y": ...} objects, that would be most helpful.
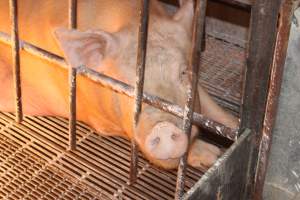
[
  {"x": 155, "y": 141},
  {"x": 174, "y": 136}
]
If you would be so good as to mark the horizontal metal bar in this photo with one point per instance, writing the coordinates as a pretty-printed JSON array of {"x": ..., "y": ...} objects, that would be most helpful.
[
  {"x": 247, "y": 4},
  {"x": 240, "y": 3},
  {"x": 34, "y": 50},
  {"x": 123, "y": 88},
  {"x": 173, "y": 2}
]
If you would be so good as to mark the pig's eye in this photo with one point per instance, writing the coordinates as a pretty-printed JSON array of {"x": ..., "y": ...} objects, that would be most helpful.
[
  {"x": 183, "y": 76},
  {"x": 182, "y": 73}
]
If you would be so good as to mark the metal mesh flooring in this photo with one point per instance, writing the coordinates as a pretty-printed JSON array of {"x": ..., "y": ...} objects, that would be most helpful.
[
  {"x": 221, "y": 70},
  {"x": 35, "y": 165}
]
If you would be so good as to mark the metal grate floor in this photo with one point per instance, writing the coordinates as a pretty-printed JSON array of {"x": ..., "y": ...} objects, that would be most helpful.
[
  {"x": 35, "y": 165},
  {"x": 221, "y": 70}
]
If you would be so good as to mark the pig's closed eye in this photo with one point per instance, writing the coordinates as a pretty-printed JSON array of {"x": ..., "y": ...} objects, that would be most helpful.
[
  {"x": 183, "y": 76},
  {"x": 182, "y": 73}
]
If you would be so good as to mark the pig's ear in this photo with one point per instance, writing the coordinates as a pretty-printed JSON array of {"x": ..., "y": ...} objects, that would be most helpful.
[
  {"x": 185, "y": 14},
  {"x": 86, "y": 48}
]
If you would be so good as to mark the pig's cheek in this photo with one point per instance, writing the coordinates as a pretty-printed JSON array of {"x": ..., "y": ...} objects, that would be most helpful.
[{"x": 166, "y": 141}]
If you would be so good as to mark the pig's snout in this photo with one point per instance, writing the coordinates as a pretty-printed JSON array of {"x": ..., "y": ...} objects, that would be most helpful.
[{"x": 166, "y": 141}]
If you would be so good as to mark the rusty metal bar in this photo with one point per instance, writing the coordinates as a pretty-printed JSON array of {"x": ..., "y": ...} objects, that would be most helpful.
[
  {"x": 139, "y": 85},
  {"x": 239, "y": 3},
  {"x": 198, "y": 31},
  {"x": 72, "y": 108},
  {"x": 263, "y": 30},
  {"x": 244, "y": 4},
  {"x": 173, "y": 2},
  {"x": 128, "y": 90},
  {"x": 157, "y": 102},
  {"x": 72, "y": 82},
  {"x": 284, "y": 27},
  {"x": 260, "y": 52},
  {"x": 13, "y": 7},
  {"x": 72, "y": 14},
  {"x": 36, "y": 51}
]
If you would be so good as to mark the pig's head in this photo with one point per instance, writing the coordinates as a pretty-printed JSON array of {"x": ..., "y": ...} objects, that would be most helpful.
[{"x": 158, "y": 134}]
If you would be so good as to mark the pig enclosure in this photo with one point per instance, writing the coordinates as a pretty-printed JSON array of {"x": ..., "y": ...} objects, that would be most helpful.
[{"x": 243, "y": 75}]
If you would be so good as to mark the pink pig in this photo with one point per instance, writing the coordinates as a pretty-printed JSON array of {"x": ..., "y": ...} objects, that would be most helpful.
[{"x": 106, "y": 41}]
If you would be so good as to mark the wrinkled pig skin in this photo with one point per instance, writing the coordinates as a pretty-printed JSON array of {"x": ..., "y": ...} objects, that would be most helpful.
[{"x": 106, "y": 41}]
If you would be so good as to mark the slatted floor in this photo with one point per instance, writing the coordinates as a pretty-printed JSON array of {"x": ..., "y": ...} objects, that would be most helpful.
[
  {"x": 35, "y": 165},
  {"x": 221, "y": 72}
]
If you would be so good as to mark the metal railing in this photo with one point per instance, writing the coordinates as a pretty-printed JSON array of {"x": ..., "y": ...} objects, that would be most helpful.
[{"x": 187, "y": 114}]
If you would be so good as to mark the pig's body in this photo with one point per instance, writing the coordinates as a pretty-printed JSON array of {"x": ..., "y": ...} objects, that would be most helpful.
[{"x": 45, "y": 86}]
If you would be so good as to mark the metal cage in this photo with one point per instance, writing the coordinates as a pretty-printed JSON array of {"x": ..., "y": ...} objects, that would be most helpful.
[{"x": 239, "y": 173}]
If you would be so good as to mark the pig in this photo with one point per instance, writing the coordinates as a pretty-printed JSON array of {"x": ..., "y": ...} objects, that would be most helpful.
[{"x": 106, "y": 41}]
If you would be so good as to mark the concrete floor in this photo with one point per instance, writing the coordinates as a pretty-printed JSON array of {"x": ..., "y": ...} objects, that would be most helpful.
[{"x": 283, "y": 176}]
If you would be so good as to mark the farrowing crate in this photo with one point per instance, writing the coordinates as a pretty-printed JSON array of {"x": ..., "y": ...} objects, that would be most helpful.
[{"x": 36, "y": 165}]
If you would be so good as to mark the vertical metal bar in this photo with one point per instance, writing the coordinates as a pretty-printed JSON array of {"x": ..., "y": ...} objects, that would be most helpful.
[
  {"x": 284, "y": 27},
  {"x": 263, "y": 31},
  {"x": 72, "y": 81},
  {"x": 198, "y": 31},
  {"x": 259, "y": 60},
  {"x": 72, "y": 14},
  {"x": 203, "y": 43},
  {"x": 140, "y": 71},
  {"x": 72, "y": 117},
  {"x": 13, "y": 6}
]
